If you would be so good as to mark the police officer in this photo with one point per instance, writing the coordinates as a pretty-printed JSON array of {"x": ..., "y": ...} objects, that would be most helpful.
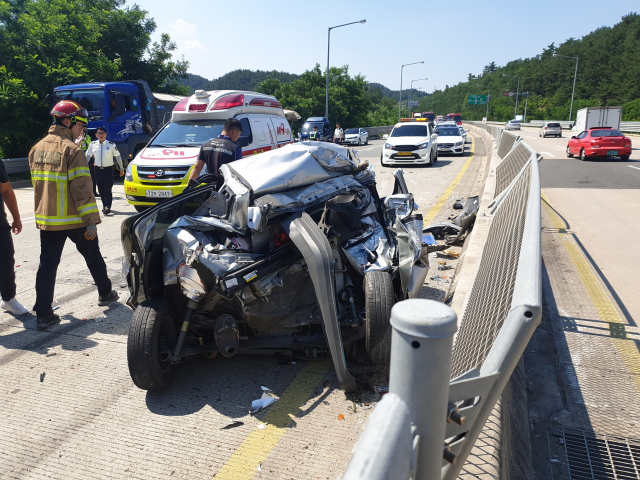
[
  {"x": 64, "y": 208},
  {"x": 218, "y": 151},
  {"x": 314, "y": 134},
  {"x": 104, "y": 153}
]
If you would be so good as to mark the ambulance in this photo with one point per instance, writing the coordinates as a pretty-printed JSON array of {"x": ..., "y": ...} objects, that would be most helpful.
[{"x": 161, "y": 169}]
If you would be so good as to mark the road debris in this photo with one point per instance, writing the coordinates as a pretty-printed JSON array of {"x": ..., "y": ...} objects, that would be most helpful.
[
  {"x": 457, "y": 206},
  {"x": 268, "y": 398},
  {"x": 445, "y": 267},
  {"x": 42, "y": 377},
  {"x": 450, "y": 253},
  {"x": 341, "y": 417},
  {"x": 262, "y": 426},
  {"x": 382, "y": 389},
  {"x": 232, "y": 425}
]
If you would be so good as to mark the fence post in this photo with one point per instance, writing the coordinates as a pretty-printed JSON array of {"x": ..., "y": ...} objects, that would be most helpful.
[{"x": 422, "y": 342}]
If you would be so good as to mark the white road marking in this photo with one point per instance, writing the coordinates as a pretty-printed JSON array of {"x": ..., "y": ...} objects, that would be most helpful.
[
  {"x": 633, "y": 167},
  {"x": 560, "y": 146},
  {"x": 550, "y": 154},
  {"x": 370, "y": 148}
]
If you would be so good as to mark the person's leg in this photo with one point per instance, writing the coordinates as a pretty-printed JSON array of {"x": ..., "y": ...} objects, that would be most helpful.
[
  {"x": 51, "y": 246},
  {"x": 92, "y": 170},
  {"x": 100, "y": 184},
  {"x": 108, "y": 187},
  {"x": 7, "y": 271},
  {"x": 90, "y": 250}
]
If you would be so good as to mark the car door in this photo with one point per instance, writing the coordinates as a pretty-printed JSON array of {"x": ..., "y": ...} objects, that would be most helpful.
[
  {"x": 142, "y": 238},
  {"x": 363, "y": 134},
  {"x": 578, "y": 142}
]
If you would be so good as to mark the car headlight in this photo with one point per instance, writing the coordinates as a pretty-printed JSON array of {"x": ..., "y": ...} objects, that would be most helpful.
[
  {"x": 190, "y": 282},
  {"x": 458, "y": 144},
  {"x": 128, "y": 176},
  {"x": 388, "y": 146},
  {"x": 424, "y": 145}
]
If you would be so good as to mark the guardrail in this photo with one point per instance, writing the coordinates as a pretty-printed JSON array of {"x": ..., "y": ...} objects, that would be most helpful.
[
  {"x": 625, "y": 127},
  {"x": 16, "y": 165},
  {"x": 375, "y": 131},
  {"x": 414, "y": 433}
]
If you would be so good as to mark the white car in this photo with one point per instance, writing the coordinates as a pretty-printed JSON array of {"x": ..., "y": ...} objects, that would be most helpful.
[
  {"x": 410, "y": 141},
  {"x": 463, "y": 132},
  {"x": 355, "y": 136},
  {"x": 512, "y": 125},
  {"x": 450, "y": 140}
]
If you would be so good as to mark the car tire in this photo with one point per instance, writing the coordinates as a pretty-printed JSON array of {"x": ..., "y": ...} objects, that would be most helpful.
[
  {"x": 359, "y": 141},
  {"x": 366, "y": 142},
  {"x": 569, "y": 154},
  {"x": 153, "y": 326},
  {"x": 379, "y": 298},
  {"x": 583, "y": 155},
  {"x": 625, "y": 158}
]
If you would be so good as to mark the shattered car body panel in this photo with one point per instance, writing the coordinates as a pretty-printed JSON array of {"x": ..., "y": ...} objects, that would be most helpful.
[{"x": 281, "y": 248}]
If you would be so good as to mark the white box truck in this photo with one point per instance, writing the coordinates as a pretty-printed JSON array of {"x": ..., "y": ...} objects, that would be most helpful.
[{"x": 597, "y": 117}]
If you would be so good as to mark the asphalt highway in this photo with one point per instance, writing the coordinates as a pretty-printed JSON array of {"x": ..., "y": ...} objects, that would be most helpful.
[{"x": 71, "y": 411}]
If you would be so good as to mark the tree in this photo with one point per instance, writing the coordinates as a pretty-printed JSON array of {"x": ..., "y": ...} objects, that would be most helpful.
[
  {"x": 46, "y": 43},
  {"x": 491, "y": 68},
  {"x": 470, "y": 77},
  {"x": 348, "y": 101}
]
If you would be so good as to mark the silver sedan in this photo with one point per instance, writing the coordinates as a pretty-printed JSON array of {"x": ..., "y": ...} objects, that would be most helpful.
[{"x": 355, "y": 136}]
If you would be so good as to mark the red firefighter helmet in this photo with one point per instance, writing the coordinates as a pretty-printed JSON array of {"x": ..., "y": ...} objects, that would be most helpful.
[{"x": 71, "y": 110}]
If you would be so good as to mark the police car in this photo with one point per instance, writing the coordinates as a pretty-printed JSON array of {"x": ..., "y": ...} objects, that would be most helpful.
[{"x": 161, "y": 170}]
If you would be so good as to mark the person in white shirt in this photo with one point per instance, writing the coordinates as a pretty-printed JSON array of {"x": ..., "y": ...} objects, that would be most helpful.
[
  {"x": 104, "y": 153},
  {"x": 338, "y": 134}
]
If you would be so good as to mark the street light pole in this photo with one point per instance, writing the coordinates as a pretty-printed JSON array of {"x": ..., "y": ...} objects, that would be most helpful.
[
  {"x": 411, "y": 91},
  {"x": 515, "y": 112},
  {"x": 400, "y": 102},
  {"x": 526, "y": 102},
  {"x": 488, "y": 100},
  {"x": 574, "y": 80},
  {"x": 326, "y": 109}
]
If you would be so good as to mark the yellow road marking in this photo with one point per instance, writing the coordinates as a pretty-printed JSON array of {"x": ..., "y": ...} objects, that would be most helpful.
[
  {"x": 598, "y": 296},
  {"x": 258, "y": 445},
  {"x": 428, "y": 218}
]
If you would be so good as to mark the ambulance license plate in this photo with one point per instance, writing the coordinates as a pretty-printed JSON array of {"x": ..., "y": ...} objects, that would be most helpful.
[
  {"x": 405, "y": 153},
  {"x": 159, "y": 194},
  {"x": 612, "y": 153}
]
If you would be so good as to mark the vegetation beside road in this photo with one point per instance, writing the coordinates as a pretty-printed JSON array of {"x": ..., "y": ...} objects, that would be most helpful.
[
  {"x": 608, "y": 73},
  {"x": 44, "y": 44}
]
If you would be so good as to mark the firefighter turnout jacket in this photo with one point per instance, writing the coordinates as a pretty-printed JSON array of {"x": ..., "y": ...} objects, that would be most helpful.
[{"x": 62, "y": 184}]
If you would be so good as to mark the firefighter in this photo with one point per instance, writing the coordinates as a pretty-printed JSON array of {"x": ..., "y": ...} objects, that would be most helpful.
[
  {"x": 65, "y": 208},
  {"x": 314, "y": 134}
]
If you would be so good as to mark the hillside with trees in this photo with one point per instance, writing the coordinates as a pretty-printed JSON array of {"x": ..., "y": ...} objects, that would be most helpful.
[
  {"x": 44, "y": 44},
  {"x": 236, "y": 80},
  {"x": 608, "y": 75}
]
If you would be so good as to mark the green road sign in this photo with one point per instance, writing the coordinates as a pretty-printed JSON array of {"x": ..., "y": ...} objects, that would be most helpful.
[{"x": 477, "y": 100}]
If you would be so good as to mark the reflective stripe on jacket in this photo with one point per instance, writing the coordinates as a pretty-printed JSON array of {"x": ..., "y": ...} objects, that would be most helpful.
[
  {"x": 313, "y": 135},
  {"x": 63, "y": 190}
]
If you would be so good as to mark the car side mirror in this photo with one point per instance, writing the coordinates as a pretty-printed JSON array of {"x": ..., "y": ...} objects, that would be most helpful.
[
  {"x": 573, "y": 137},
  {"x": 243, "y": 141}
]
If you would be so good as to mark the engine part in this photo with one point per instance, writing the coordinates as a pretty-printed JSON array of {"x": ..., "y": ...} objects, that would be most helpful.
[{"x": 226, "y": 335}]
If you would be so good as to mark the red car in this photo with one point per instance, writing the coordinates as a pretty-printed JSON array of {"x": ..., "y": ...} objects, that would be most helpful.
[
  {"x": 599, "y": 142},
  {"x": 455, "y": 117}
]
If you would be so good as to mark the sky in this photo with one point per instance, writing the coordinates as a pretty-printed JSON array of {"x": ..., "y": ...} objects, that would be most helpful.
[{"x": 453, "y": 38}]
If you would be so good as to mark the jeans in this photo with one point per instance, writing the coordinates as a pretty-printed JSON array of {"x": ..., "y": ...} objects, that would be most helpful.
[
  {"x": 7, "y": 272},
  {"x": 51, "y": 245},
  {"x": 104, "y": 181}
]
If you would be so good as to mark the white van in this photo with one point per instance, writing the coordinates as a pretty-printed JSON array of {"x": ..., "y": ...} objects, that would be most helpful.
[{"x": 161, "y": 169}]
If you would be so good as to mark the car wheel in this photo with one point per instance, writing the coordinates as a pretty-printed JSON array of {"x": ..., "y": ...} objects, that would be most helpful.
[
  {"x": 140, "y": 208},
  {"x": 379, "y": 298},
  {"x": 359, "y": 141},
  {"x": 152, "y": 336},
  {"x": 625, "y": 158},
  {"x": 583, "y": 155},
  {"x": 569, "y": 154},
  {"x": 366, "y": 142}
]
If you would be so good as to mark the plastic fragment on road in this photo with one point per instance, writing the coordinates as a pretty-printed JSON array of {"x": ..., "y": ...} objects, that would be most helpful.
[
  {"x": 267, "y": 399},
  {"x": 232, "y": 425},
  {"x": 42, "y": 377},
  {"x": 341, "y": 417},
  {"x": 445, "y": 267},
  {"x": 451, "y": 253},
  {"x": 429, "y": 239},
  {"x": 382, "y": 390},
  {"x": 457, "y": 206},
  {"x": 262, "y": 426}
]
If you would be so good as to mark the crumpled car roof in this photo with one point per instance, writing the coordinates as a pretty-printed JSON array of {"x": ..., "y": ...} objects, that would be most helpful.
[{"x": 293, "y": 166}]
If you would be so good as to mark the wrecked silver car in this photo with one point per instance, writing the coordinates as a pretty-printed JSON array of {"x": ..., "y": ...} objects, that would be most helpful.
[{"x": 294, "y": 254}]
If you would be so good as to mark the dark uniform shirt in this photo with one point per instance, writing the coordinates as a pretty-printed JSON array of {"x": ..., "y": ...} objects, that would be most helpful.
[
  {"x": 4, "y": 178},
  {"x": 218, "y": 151},
  {"x": 314, "y": 135}
]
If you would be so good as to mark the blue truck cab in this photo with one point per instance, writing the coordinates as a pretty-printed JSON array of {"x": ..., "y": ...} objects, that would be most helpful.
[
  {"x": 324, "y": 128},
  {"x": 129, "y": 111}
]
